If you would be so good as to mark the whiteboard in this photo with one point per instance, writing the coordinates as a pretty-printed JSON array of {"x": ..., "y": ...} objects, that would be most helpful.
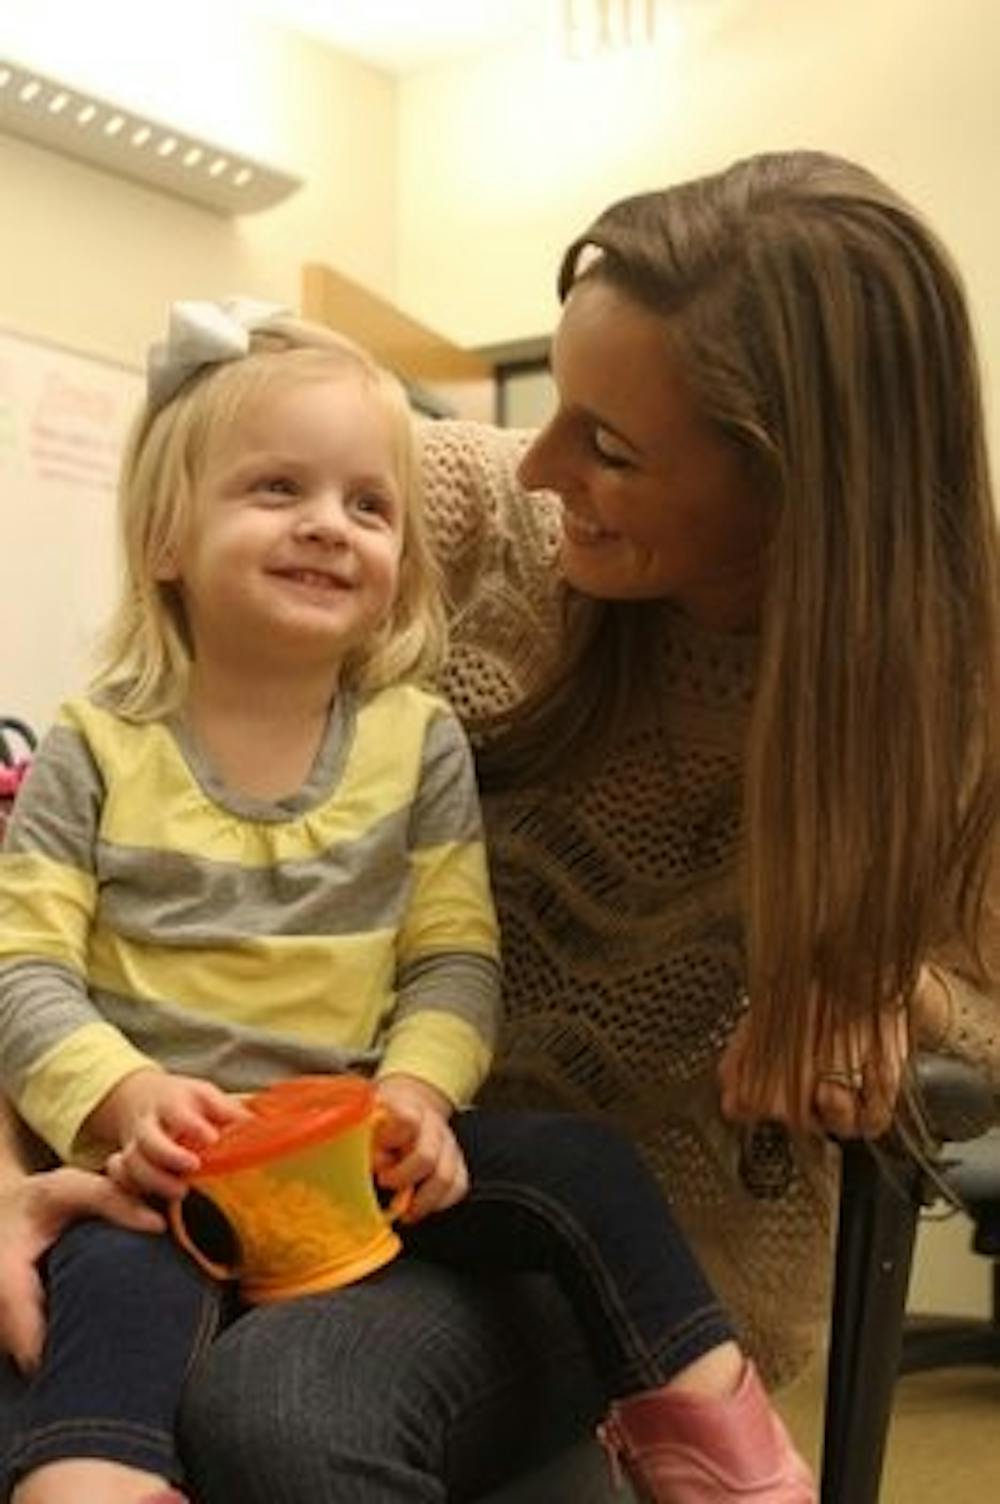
[{"x": 63, "y": 422}]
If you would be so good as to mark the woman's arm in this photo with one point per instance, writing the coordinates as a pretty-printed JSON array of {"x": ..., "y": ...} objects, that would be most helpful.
[
  {"x": 956, "y": 1018},
  {"x": 35, "y": 1207},
  {"x": 469, "y": 475},
  {"x": 497, "y": 546},
  {"x": 958, "y": 1004}
]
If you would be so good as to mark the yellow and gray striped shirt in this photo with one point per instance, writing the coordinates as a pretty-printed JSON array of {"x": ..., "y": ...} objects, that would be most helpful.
[{"x": 148, "y": 915}]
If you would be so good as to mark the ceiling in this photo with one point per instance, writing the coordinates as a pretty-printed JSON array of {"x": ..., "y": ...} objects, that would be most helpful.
[{"x": 403, "y": 35}]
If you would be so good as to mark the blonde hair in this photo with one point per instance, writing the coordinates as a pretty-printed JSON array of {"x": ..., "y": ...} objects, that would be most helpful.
[
  {"x": 145, "y": 655},
  {"x": 825, "y": 331}
]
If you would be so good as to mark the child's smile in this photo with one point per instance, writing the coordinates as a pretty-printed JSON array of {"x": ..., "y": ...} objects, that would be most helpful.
[{"x": 298, "y": 527}]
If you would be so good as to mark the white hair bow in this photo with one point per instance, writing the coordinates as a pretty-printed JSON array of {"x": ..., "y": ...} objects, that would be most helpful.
[{"x": 203, "y": 334}]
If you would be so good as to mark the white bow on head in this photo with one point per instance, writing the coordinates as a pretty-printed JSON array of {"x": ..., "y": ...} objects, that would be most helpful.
[{"x": 203, "y": 334}]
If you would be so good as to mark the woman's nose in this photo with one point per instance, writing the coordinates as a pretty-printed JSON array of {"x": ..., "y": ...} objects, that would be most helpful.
[{"x": 536, "y": 470}]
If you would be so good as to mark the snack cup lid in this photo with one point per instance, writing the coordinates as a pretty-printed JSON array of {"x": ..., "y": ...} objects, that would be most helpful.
[{"x": 288, "y": 1116}]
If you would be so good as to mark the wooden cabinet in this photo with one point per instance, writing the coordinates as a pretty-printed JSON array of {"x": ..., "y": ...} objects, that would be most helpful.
[{"x": 442, "y": 378}]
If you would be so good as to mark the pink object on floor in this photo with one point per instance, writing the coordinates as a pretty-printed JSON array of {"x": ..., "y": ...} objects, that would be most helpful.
[{"x": 678, "y": 1448}]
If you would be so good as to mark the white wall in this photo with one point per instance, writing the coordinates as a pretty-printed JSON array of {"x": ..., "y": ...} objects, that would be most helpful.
[
  {"x": 89, "y": 260},
  {"x": 502, "y": 163}
]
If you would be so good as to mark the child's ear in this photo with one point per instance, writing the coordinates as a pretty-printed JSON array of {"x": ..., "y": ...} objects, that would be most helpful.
[{"x": 166, "y": 569}]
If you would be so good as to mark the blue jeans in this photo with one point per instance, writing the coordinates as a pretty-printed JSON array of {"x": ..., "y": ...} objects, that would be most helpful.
[
  {"x": 432, "y": 1379},
  {"x": 128, "y": 1314}
]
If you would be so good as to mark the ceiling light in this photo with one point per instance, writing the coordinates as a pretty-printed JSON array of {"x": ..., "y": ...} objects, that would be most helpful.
[
  {"x": 82, "y": 125},
  {"x": 593, "y": 27}
]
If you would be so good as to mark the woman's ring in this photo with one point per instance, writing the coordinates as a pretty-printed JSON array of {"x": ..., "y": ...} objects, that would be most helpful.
[{"x": 853, "y": 1080}]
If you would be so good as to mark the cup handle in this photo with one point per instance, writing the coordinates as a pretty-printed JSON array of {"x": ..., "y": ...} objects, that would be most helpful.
[
  {"x": 175, "y": 1217},
  {"x": 400, "y": 1203}
]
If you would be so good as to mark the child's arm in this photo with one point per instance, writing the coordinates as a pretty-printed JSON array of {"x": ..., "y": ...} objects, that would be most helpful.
[
  {"x": 58, "y": 1057},
  {"x": 440, "y": 1038},
  {"x": 443, "y": 1026}
]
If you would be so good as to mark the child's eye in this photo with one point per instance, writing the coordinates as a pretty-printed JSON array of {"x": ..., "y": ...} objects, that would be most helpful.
[
  {"x": 373, "y": 504},
  {"x": 278, "y": 487}
]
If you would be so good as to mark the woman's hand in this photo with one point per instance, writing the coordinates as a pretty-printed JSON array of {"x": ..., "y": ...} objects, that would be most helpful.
[
  {"x": 161, "y": 1122},
  {"x": 34, "y": 1210},
  {"x": 416, "y": 1147},
  {"x": 847, "y": 1085}
]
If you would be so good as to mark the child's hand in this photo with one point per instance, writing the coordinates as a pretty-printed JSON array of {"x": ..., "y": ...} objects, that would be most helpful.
[
  {"x": 160, "y": 1123},
  {"x": 416, "y": 1147}
]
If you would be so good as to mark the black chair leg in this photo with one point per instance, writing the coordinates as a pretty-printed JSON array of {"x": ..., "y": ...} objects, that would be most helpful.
[{"x": 880, "y": 1203}]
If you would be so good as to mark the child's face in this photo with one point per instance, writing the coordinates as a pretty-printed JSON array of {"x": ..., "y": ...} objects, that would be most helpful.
[{"x": 298, "y": 528}]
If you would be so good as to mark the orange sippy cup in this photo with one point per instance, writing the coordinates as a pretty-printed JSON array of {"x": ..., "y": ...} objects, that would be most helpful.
[{"x": 289, "y": 1195}]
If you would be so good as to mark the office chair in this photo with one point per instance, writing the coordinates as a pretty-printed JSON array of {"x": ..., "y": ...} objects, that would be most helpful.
[
  {"x": 883, "y": 1190},
  {"x": 972, "y": 1170}
]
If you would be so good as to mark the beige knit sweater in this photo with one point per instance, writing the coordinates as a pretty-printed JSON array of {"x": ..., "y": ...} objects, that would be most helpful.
[{"x": 619, "y": 904}]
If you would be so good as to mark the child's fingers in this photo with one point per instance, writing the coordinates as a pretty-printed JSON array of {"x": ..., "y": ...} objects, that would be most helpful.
[
  {"x": 394, "y": 1140},
  {"x": 446, "y": 1185},
  {"x": 221, "y": 1107},
  {"x": 133, "y": 1172},
  {"x": 161, "y": 1148},
  {"x": 197, "y": 1123},
  {"x": 394, "y": 1131},
  {"x": 410, "y": 1167}
]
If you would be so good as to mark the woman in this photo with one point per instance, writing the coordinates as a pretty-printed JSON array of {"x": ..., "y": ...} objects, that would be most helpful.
[{"x": 733, "y": 677}]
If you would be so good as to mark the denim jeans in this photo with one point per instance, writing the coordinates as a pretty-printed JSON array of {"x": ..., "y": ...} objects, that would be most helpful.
[
  {"x": 127, "y": 1315},
  {"x": 435, "y": 1378},
  {"x": 446, "y": 1374}
]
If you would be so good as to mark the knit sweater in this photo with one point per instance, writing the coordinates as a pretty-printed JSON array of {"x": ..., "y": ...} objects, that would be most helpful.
[{"x": 619, "y": 903}]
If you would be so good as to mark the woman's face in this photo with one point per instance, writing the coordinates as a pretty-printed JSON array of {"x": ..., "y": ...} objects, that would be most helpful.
[{"x": 656, "y": 501}]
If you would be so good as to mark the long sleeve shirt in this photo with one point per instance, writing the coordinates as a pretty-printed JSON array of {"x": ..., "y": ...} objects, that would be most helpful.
[{"x": 149, "y": 916}]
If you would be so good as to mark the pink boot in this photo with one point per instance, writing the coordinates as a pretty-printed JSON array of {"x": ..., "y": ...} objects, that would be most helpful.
[{"x": 682, "y": 1449}]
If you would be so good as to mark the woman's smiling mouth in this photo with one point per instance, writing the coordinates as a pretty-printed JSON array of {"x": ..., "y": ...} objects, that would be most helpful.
[{"x": 579, "y": 530}]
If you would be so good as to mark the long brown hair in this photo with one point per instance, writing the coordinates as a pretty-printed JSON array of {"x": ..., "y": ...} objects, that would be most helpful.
[{"x": 824, "y": 328}]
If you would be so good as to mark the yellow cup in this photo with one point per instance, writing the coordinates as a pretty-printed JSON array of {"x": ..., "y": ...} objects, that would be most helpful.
[{"x": 289, "y": 1193}]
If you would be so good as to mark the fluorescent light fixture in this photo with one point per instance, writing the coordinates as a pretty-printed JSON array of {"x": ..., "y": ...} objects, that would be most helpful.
[
  {"x": 596, "y": 27},
  {"x": 79, "y": 124}
]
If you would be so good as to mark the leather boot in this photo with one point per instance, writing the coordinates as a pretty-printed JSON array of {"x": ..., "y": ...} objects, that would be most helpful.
[{"x": 679, "y": 1448}]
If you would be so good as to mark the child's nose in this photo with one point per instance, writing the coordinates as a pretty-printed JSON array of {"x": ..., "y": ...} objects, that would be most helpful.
[{"x": 324, "y": 521}]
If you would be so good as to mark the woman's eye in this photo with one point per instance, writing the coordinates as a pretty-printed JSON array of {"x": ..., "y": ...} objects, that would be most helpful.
[{"x": 609, "y": 450}]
